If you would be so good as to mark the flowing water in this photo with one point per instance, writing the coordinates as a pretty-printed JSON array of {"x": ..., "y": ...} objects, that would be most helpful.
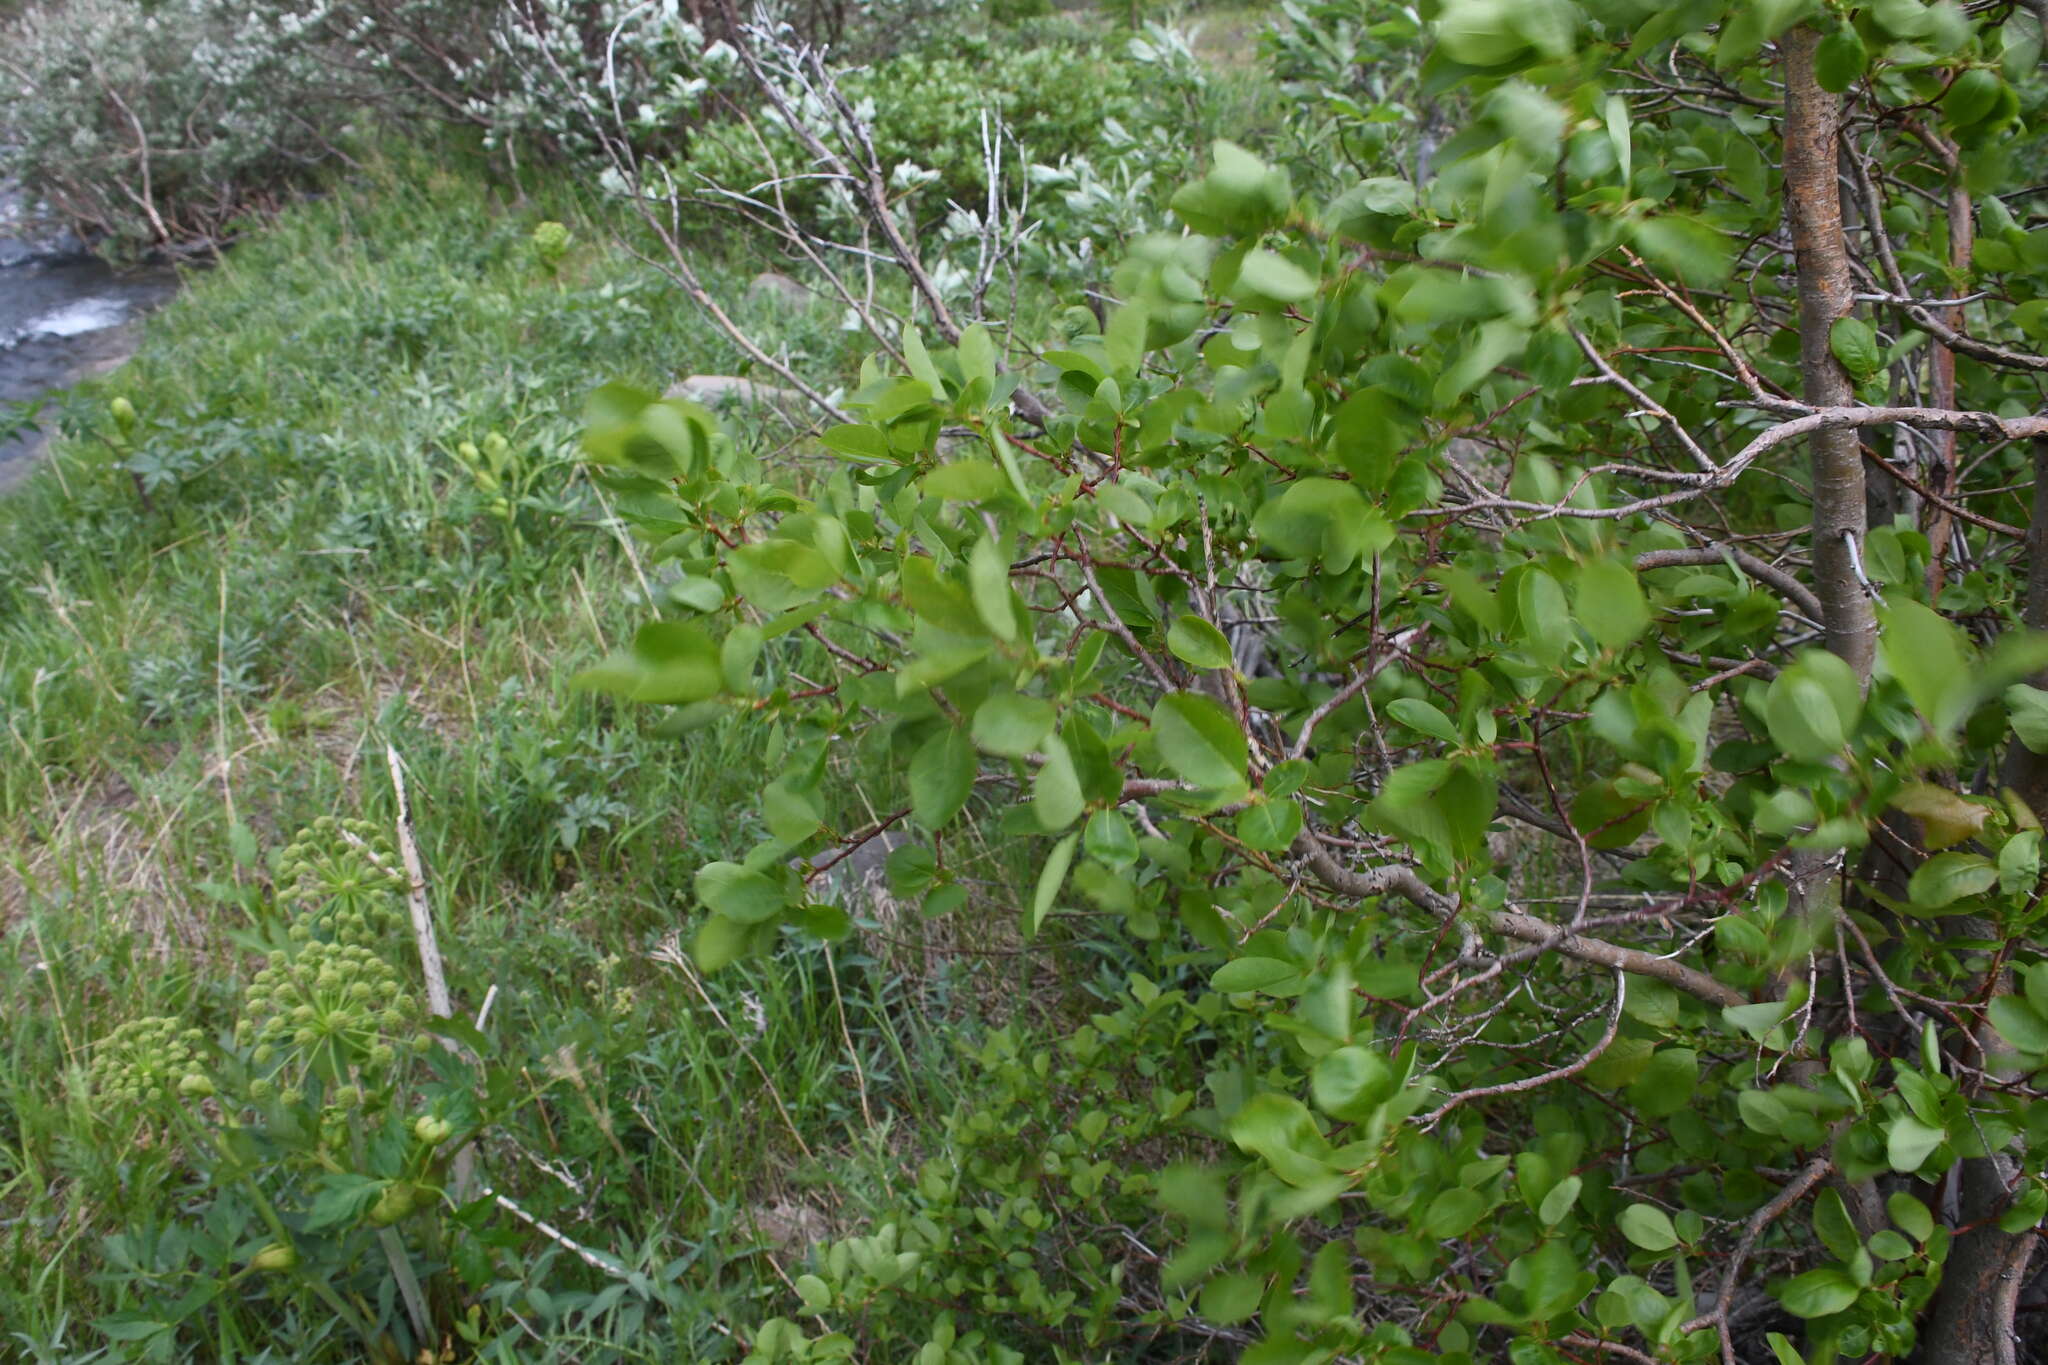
[{"x": 64, "y": 316}]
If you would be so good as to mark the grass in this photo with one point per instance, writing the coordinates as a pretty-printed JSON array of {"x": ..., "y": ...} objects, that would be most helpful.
[{"x": 196, "y": 663}]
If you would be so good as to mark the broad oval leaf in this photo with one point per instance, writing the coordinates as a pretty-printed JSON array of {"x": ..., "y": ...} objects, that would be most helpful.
[{"x": 1198, "y": 739}]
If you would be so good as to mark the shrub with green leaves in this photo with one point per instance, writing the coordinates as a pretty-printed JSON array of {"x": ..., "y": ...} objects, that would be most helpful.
[{"x": 1608, "y": 855}]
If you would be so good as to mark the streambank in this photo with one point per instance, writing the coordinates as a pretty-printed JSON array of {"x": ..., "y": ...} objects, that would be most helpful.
[{"x": 65, "y": 316}]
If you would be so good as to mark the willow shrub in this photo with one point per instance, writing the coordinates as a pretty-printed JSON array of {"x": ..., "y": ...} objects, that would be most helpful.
[{"x": 1604, "y": 903}]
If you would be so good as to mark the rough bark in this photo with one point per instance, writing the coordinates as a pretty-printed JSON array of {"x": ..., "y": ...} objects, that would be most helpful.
[
  {"x": 1813, "y": 213},
  {"x": 1813, "y": 210}
]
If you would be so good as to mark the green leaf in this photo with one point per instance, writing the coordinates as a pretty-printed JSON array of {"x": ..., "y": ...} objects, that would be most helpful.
[
  {"x": 1855, "y": 345},
  {"x": 1695, "y": 252},
  {"x": 1610, "y": 601},
  {"x": 937, "y": 599},
  {"x": 1453, "y": 1213},
  {"x": 2028, "y": 707},
  {"x": 2028, "y": 1207},
  {"x": 858, "y": 441},
  {"x": 134, "y": 1327},
  {"x": 1198, "y": 644},
  {"x": 1012, "y": 724},
  {"x": 720, "y": 942},
  {"x": 919, "y": 361},
  {"x": 1818, "y": 1293},
  {"x": 1325, "y": 522},
  {"x": 739, "y": 894},
  {"x": 1909, "y": 1142},
  {"x": 1831, "y": 1224},
  {"x": 1648, "y": 1226},
  {"x": 967, "y": 480},
  {"x": 670, "y": 662},
  {"x": 737, "y": 657},
  {"x": 1839, "y": 61},
  {"x": 1246, "y": 974},
  {"x": 788, "y": 813},
  {"x": 977, "y": 355},
  {"x": 1421, "y": 717},
  {"x": 815, "y": 1293},
  {"x": 941, "y": 777},
  {"x": 1946, "y": 878},
  {"x": 2019, "y": 863},
  {"x": 1269, "y": 826},
  {"x": 1348, "y": 1082},
  {"x": 1050, "y": 878},
  {"x": 2019, "y": 1023},
  {"x": 1556, "y": 1204},
  {"x": 1110, "y": 840},
  {"x": 1812, "y": 706},
  {"x": 988, "y": 582},
  {"x": 1231, "y": 1298},
  {"x": 1928, "y": 656},
  {"x": 1910, "y": 1216},
  {"x": 1971, "y": 97},
  {"x": 1759, "y": 1019},
  {"x": 1545, "y": 620},
  {"x": 1241, "y": 194},
  {"x": 1667, "y": 1083},
  {"x": 1266, "y": 276},
  {"x": 1619, "y": 138},
  {"x": 1750, "y": 25},
  {"x": 1198, "y": 739},
  {"x": 1280, "y": 1129},
  {"x": 1551, "y": 1279},
  {"x": 1056, "y": 797}
]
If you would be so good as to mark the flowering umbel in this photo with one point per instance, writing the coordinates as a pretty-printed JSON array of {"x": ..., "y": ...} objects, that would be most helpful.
[{"x": 146, "y": 1061}]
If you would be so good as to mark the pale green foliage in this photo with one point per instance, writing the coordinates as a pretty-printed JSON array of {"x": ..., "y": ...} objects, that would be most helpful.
[{"x": 165, "y": 120}]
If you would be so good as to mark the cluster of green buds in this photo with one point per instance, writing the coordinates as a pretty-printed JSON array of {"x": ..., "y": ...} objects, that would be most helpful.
[
  {"x": 551, "y": 244},
  {"x": 348, "y": 876},
  {"x": 336, "y": 1010},
  {"x": 492, "y": 466},
  {"x": 145, "y": 1062}
]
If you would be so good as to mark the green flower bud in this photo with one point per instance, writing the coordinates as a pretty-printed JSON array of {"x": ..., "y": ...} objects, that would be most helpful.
[
  {"x": 395, "y": 1203},
  {"x": 276, "y": 1256},
  {"x": 124, "y": 414},
  {"x": 195, "y": 1086}
]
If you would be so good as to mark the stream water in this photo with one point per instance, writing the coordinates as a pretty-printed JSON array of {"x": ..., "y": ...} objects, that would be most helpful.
[{"x": 64, "y": 316}]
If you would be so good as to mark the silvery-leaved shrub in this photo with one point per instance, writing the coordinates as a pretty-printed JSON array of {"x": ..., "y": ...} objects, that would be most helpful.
[{"x": 153, "y": 124}]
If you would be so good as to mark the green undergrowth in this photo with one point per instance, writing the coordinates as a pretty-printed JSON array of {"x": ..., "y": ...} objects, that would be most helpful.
[{"x": 215, "y": 616}]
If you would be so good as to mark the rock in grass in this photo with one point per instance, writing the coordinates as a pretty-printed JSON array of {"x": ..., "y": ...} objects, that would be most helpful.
[
  {"x": 716, "y": 390},
  {"x": 778, "y": 288}
]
